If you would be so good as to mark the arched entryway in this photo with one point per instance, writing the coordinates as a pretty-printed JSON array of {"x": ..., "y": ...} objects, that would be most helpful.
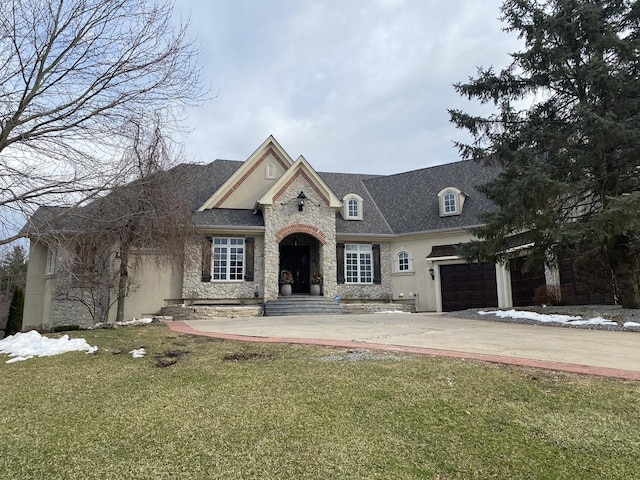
[{"x": 300, "y": 254}]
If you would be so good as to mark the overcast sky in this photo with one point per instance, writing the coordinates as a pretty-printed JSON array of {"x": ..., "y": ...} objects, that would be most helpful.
[{"x": 358, "y": 86}]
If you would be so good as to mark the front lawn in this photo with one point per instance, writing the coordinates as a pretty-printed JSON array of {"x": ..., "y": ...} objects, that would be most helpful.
[{"x": 196, "y": 408}]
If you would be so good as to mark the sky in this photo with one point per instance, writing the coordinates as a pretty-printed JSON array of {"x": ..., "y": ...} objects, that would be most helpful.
[{"x": 355, "y": 86}]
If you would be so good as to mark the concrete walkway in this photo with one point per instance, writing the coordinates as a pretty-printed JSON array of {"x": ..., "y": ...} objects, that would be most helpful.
[{"x": 596, "y": 352}]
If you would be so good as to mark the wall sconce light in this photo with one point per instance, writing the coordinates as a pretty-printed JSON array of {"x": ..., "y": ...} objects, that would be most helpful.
[
  {"x": 432, "y": 272},
  {"x": 295, "y": 241},
  {"x": 301, "y": 198}
]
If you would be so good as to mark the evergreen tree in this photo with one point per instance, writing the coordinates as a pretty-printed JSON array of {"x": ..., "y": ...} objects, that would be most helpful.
[
  {"x": 565, "y": 135},
  {"x": 14, "y": 322}
]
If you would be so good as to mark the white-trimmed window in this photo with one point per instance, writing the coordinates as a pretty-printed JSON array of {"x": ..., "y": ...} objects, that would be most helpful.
[
  {"x": 358, "y": 263},
  {"x": 449, "y": 204},
  {"x": 450, "y": 201},
  {"x": 352, "y": 207},
  {"x": 228, "y": 259},
  {"x": 403, "y": 261},
  {"x": 52, "y": 261}
]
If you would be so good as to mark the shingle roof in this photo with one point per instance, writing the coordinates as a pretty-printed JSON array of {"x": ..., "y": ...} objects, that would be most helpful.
[
  {"x": 409, "y": 201},
  {"x": 392, "y": 204},
  {"x": 372, "y": 221}
]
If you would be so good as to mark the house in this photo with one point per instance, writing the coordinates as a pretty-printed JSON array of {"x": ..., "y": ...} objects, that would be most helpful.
[{"x": 372, "y": 238}]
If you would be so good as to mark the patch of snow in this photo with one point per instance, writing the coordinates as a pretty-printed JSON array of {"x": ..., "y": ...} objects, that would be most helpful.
[
  {"x": 549, "y": 318},
  {"x": 593, "y": 321},
  {"x": 631, "y": 325},
  {"x": 134, "y": 321},
  {"x": 138, "y": 352},
  {"x": 23, "y": 346},
  {"x": 538, "y": 317}
]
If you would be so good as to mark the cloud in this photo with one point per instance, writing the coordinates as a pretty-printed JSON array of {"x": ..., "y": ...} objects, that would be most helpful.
[{"x": 353, "y": 86}]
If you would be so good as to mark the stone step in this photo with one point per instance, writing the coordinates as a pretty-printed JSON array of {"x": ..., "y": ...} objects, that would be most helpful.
[{"x": 302, "y": 305}]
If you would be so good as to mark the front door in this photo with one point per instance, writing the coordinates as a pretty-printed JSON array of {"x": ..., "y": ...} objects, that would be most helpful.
[{"x": 296, "y": 260}]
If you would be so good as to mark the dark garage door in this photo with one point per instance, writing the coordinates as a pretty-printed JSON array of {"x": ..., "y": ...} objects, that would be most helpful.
[
  {"x": 525, "y": 284},
  {"x": 468, "y": 286}
]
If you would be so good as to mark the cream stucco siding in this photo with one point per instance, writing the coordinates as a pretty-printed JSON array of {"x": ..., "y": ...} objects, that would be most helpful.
[
  {"x": 155, "y": 286},
  {"x": 37, "y": 299}
]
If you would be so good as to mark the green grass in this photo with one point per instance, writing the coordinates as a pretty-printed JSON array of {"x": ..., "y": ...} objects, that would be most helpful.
[{"x": 229, "y": 410}]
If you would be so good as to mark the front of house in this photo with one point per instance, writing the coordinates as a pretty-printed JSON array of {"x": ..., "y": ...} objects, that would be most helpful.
[{"x": 370, "y": 238}]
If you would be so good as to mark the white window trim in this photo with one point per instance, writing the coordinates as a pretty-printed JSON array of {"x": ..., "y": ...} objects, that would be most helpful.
[
  {"x": 345, "y": 207},
  {"x": 361, "y": 250},
  {"x": 52, "y": 261},
  {"x": 458, "y": 196},
  {"x": 396, "y": 262},
  {"x": 228, "y": 267}
]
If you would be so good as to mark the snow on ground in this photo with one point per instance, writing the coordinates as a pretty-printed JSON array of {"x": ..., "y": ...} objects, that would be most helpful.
[
  {"x": 23, "y": 346},
  {"x": 138, "y": 352},
  {"x": 553, "y": 318}
]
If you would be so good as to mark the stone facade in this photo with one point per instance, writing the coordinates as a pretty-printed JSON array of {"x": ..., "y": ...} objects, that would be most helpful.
[
  {"x": 193, "y": 288},
  {"x": 283, "y": 219},
  {"x": 185, "y": 312},
  {"x": 380, "y": 292},
  {"x": 71, "y": 312}
]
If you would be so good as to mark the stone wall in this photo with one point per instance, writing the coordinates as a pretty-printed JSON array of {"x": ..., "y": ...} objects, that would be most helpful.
[
  {"x": 381, "y": 292},
  {"x": 195, "y": 312},
  {"x": 71, "y": 312},
  {"x": 377, "y": 307},
  {"x": 194, "y": 288}
]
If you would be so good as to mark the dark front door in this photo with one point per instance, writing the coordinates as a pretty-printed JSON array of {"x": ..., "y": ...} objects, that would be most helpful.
[{"x": 296, "y": 260}]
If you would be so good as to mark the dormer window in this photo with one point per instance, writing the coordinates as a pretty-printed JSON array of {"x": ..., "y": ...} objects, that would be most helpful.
[
  {"x": 352, "y": 207},
  {"x": 450, "y": 201}
]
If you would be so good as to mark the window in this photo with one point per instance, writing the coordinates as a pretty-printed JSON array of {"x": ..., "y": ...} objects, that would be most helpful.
[
  {"x": 358, "y": 264},
  {"x": 403, "y": 262},
  {"x": 352, "y": 207},
  {"x": 52, "y": 261},
  {"x": 451, "y": 200},
  {"x": 228, "y": 259},
  {"x": 449, "y": 203}
]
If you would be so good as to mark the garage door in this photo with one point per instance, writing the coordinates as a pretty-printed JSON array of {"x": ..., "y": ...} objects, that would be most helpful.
[
  {"x": 468, "y": 286},
  {"x": 525, "y": 284}
]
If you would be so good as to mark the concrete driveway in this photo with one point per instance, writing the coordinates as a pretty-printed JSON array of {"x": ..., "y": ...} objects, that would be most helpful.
[{"x": 598, "y": 352}]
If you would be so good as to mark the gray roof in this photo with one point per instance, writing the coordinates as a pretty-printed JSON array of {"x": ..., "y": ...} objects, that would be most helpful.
[
  {"x": 409, "y": 201},
  {"x": 392, "y": 204}
]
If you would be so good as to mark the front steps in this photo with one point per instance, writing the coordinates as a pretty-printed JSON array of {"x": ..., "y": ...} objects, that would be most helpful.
[{"x": 302, "y": 305}]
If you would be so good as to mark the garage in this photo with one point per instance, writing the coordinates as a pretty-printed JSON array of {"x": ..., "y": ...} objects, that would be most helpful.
[
  {"x": 468, "y": 286},
  {"x": 525, "y": 283}
]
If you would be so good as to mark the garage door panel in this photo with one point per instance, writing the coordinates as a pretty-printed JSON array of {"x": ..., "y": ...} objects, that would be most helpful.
[{"x": 468, "y": 286}]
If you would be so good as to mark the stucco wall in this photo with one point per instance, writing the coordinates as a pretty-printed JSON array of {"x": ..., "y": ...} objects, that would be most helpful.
[{"x": 35, "y": 294}]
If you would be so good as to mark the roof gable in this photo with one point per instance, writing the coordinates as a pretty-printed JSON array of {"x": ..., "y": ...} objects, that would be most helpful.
[
  {"x": 301, "y": 168},
  {"x": 256, "y": 176}
]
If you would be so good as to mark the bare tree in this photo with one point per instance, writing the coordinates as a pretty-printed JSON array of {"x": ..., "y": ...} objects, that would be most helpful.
[
  {"x": 146, "y": 216},
  {"x": 73, "y": 73}
]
